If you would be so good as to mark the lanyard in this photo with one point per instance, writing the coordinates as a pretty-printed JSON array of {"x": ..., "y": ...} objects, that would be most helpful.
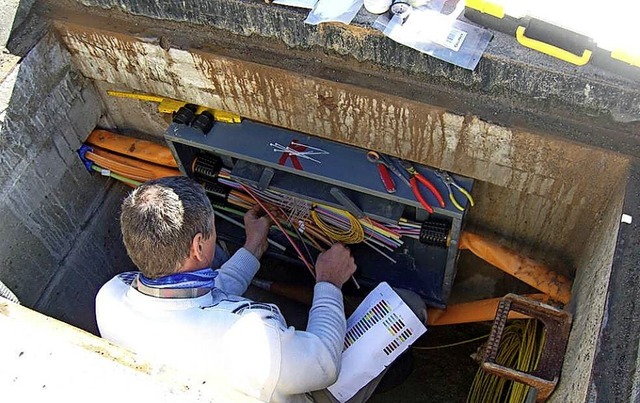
[{"x": 178, "y": 285}]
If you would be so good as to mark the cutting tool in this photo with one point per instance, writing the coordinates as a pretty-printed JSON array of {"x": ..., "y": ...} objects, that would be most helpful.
[
  {"x": 446, "y": 178},
  {"x": 415, "y": 178}
]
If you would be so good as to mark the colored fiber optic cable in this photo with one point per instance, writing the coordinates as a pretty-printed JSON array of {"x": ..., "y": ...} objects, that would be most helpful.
[
  {"x": 277, "y": 222},
  {"x": 239, "y": 224},
  {"x": 116, "y": 176}
]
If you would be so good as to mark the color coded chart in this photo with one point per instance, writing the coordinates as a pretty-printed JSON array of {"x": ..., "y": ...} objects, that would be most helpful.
[
  {"x": 397, "y": 342},
  {"x": 374, "y": 315},
  {"x": 378, "y": 331},
  {"x": 394, "y": 324}
]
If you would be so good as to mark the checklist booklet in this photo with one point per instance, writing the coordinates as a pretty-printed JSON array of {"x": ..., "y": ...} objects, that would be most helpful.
[{"x": 379, "y": 330}]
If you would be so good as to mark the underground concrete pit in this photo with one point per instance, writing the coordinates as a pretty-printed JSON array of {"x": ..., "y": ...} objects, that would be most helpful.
[{"x": 544, "y": 194}]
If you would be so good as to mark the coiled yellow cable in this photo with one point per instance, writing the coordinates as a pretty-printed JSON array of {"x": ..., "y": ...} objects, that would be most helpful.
[
  {"x": 520, "y": 348},
  {"x": 351, "y": 235}
]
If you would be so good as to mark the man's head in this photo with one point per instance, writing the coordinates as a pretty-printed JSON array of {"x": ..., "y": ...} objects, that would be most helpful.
[{"x": 168, "y": 226}]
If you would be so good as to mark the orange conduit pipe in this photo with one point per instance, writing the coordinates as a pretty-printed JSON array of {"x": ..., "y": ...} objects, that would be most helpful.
[
  {"x": 535, "y": 274},
  {"x": 141, "y": 149},
  {"x": 475, "y": 311},
  {"x": 130, "y": 168},
  {"x": 138, "y": 167}
]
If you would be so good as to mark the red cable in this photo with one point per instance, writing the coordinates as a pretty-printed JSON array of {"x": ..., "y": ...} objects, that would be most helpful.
[{"x": 304, "y": 260}]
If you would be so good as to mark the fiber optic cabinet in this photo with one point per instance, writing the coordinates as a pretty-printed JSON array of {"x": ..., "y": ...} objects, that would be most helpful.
[{"x": 339, "y": 176}]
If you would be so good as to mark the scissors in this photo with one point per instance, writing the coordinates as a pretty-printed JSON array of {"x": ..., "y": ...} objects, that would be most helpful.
[
  {"x": 416, "y": 177},
  {"x": 446, "y": 178},
  {"x": 383, "y": 169}
]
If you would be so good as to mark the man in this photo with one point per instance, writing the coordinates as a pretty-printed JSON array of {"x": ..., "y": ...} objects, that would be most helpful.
[{"x": 179, "y": 310}]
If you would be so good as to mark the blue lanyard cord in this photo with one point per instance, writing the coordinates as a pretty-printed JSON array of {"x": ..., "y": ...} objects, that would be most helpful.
[{"x": 203, "y": 278}]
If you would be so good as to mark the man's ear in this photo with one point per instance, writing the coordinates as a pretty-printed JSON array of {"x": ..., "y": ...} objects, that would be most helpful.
[{"x": 195, "y": 252}]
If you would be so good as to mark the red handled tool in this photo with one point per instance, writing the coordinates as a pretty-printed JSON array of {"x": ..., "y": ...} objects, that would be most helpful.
[
  {"x": 416, "y": 177},
  {"x": 383, "y": 170}
]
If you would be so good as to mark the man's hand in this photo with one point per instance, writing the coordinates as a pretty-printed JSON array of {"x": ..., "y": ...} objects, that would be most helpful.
[
  {"x": 256, "y": 226},
  {"x": 335, "y": 265}
]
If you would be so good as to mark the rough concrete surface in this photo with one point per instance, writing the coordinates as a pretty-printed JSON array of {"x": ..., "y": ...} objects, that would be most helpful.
[
  {"x": 589, "y": 294},
  {"x": 8, "y": 10},
  {"x": 47, "y": 360},
  {"x": 512, "y": 84},
  {"x": 616, "y": 375},
  {"x": 48, "y": 200}
]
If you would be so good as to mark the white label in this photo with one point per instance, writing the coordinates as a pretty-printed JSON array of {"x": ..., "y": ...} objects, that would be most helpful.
[
  {"x": 105, "y": 172},
  {"x": 453, "y": 39},
  {"x": 426, "y": 25}
]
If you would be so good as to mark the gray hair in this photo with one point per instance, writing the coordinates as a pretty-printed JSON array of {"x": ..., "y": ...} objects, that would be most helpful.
[{"x": 159, "y": 220}]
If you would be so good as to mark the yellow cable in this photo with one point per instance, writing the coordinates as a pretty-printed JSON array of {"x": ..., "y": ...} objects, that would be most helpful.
[
  {"x": 520, "y": 349},
  {"x": 354, "y": 234}
]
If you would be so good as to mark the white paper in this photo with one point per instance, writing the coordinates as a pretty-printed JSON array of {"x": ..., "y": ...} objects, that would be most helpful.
[
  {"x": 378, "y": 331},
  {"x": 334, "y": 11},
  {"x": 297, "y": 3}
]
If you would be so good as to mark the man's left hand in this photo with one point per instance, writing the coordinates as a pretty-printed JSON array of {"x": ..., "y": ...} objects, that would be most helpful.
[{"x": 256, "y": 226}]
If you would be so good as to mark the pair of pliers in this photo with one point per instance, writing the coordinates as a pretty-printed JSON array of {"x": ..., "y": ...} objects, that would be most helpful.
[
  {"x": 414, "y": 178},
  {"x": 383, "y": 170},
  {"x": 449, "y": 181}
]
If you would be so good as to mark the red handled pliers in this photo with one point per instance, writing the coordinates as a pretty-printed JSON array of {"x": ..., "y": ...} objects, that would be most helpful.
[{"x": 414, "y": 178}]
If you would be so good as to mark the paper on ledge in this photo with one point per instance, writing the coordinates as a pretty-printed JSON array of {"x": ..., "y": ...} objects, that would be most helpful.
[
  {"x": 297, "y": 3},
  {"x": 379, "y": 330}
]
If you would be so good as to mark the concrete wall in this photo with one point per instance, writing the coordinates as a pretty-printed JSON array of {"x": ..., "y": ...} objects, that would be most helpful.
[
  {"x": 12, "y": 14},
  {"x": 590, "y": 291},
  {"x": 535, "y": 190},
  {"x": 512, "y": 84},
  {"x": 58, "y": 223}
]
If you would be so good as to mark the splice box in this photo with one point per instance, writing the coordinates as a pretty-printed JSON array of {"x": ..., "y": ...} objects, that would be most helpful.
[{"x": 339, "y": 176}]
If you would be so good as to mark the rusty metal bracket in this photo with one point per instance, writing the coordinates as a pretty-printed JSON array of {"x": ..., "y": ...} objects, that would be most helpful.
[{"x": 557, "y": 324}]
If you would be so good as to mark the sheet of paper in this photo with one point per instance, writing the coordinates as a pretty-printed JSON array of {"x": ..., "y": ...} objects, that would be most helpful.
[
  {"x": 334, "y": 11},
  {"x": 380, "y": 329},
  {"x": 297, "y": 3}
]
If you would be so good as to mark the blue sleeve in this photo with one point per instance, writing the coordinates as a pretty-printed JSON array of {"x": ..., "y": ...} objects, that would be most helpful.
[
  {"x": 236, "y": 274},
  {"x": 311, "y": 359}
]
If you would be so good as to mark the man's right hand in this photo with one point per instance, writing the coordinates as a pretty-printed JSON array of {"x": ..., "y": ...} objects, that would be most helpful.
[{"x": 335, "y": 266}]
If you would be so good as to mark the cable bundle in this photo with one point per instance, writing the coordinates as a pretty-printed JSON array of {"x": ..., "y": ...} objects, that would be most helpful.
[
  {"x": 321, "y": 225},
  {"x": 127, "y": 159},
  {"x": 331, "y": 222},
  {"x": 520, "y": 349}
]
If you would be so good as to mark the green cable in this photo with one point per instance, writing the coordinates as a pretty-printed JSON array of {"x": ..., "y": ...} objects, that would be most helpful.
[
  {"x": 115, "y": 176},
  {"x": 450, "y": 345}
]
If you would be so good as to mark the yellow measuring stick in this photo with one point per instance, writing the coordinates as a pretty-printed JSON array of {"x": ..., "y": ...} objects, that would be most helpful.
[{"x": 170, "y": 105}]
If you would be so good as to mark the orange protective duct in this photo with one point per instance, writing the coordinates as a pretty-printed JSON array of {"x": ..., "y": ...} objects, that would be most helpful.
[
  {"x": 141, "y": 149},
  {"x": 119, "y": 168},
  {"x": 475, "y": 311},
  {"x": 537, "y": 275},
  {"x": 151, "y": 171}
]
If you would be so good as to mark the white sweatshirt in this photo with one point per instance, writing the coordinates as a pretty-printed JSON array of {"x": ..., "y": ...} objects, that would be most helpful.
[{"x": 221, "y": 336}]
